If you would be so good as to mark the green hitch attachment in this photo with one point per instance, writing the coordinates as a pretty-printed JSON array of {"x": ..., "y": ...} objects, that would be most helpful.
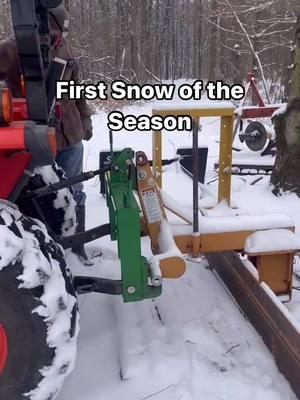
[{"x": 124, "y": 214}]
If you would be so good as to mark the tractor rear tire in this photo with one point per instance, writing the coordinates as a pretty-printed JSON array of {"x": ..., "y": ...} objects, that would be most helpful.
[
  {"x": 57, "y": 210},
  {"x": 38, "y": 310}
]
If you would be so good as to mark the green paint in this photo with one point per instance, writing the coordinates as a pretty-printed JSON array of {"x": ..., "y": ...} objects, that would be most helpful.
[{"x": 124, "y": 213}]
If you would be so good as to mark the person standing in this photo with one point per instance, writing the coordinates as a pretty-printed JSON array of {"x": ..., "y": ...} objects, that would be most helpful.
[{"x": 76, "y": 124}]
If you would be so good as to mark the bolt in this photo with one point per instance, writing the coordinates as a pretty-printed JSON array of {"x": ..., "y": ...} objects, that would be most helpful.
[
  {"x": 142, "y": 175},
  {"x": 131, "y": 289},
  {"x": 156, "y": 281}
]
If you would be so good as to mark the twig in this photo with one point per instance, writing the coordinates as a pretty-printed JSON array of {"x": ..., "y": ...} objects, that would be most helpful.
[
  {"x": 231, "y": 348},
  {"x": 147, "y": 70},
  {"x": 190, "y": 342},
  {"x": 213, "y": 180},
  {"x": 156, "y": 393},
  {"x": 257, "y": 180},
  {"x": 256, "y": 56}
]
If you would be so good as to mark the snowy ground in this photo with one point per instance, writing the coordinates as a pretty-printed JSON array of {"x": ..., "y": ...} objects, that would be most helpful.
[{"x": 192, "y": 343}]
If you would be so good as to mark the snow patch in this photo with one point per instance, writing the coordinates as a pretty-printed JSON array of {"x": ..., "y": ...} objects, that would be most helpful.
[
  {"x": 183, "y": 211},
  {"x": 250, "y": 267},
  {"x": 237, "y": 223},
  {"x": 244, "y": 223},
  {"x": 280, "y": 111},
  {"x": 167, "y": 247},
  {"x": 188, "y": 106},
  {"x": 273, "y": 240},
  {"x": 222, "y": 210}
]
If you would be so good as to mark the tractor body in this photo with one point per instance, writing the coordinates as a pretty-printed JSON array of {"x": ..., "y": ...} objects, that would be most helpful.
[{"x": 27, "y": 139}]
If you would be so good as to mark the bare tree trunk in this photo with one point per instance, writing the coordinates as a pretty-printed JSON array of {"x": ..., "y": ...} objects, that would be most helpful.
[
  {"x": 120, "y": 44},
  {"x": 199, "y": 39},
  {"x": 134, "y": 56},
  {"x": 135, "y": 11},
  {"x": 161, "y": 39},
  {"x": 213, "y": 46},
  {"x": 287, "y": 75},
  {"x": 286, "y": 174}
]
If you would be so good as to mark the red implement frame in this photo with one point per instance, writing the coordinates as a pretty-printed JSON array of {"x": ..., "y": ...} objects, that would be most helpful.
[
  {"x": 13, "y": 169},
  {"x": 13, "y": 157},
  {"x": 262, "y": 110}
]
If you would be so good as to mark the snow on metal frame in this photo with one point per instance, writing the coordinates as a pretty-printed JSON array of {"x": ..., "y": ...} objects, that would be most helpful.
[
  {"x": 163, "y": 106},
  {"x": 273, "y": 240}
]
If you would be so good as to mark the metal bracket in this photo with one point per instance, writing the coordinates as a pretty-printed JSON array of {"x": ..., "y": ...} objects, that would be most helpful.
[
  {"x": 65, "y": 183},
  {"x": 125, "y": 223},
  {"x": 81, "y": 238},
  {"x": 86, "y": 284}
]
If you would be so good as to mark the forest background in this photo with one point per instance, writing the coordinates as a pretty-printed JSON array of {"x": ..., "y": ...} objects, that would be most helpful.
[{"x": 142, "y": 41}]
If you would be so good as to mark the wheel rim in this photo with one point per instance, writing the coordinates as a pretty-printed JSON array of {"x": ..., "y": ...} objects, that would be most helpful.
[
  {"x": 3, "y": 348},
  {"x": 258, "y": 142}
]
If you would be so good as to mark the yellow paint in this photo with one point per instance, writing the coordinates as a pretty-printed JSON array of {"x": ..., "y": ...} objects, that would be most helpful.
[
  {"x": 157, "y": 157},
  {"x": 196, "y": 112},
  {"x": 226, "y": 135},
  {"x": 225, "y": 159}
]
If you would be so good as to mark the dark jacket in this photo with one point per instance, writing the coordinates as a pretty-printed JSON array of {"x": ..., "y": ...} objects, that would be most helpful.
[{"x": 75, "y": 114}]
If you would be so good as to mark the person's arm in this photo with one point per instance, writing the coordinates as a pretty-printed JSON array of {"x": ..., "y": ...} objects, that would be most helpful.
[
  {"x": 84, "y": 109},
  {"x": 82, "y": 105}
]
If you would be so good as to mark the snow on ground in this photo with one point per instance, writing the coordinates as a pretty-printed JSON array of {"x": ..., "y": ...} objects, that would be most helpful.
[{"x": 192, "y": 343}]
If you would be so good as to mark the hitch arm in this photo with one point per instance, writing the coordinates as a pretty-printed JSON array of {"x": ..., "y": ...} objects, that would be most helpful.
[
  {"x": 81, "y": 238},
  {"x": 86, "y": 284},
  {"x": 66, "y": 183}
]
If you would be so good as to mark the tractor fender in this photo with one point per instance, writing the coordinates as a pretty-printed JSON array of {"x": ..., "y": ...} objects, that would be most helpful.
[{"x": 37, "y": 144}]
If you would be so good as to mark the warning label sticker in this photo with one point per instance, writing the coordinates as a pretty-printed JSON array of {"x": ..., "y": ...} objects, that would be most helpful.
[{"x": 152, "y": 206}]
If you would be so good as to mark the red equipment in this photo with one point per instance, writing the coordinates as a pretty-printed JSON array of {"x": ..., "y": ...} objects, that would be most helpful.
[
  {"x": 262, "y": 110},
  {"x": 257, "y": 134},
  {"x": 3, "y": 349},
  {"x": 27, "y": 136},
  {"x": 17, "y": 144}
]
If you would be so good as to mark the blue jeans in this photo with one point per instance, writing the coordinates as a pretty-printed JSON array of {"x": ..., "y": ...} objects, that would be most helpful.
[{"x": 71, "y": 161}]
